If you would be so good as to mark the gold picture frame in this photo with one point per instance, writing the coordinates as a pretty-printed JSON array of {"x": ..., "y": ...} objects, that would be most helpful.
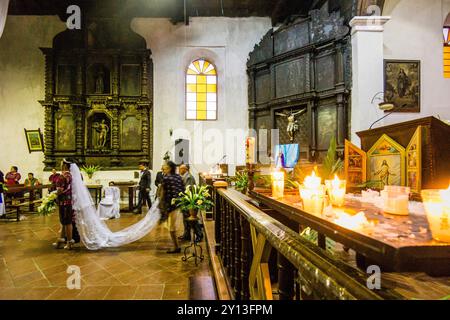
[
  {"x": 414, "y": 162},
  {"x": 386, "y": 162},
  {"x": 34, "y": 140},
  {"x": 355, "y": 165}
]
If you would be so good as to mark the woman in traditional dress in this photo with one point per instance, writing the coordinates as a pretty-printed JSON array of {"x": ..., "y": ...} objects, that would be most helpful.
[{"x": 13, "y": 177}]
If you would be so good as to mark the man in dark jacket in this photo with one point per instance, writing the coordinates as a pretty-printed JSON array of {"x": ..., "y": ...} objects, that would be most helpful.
[{"x": 144, "y": 187}]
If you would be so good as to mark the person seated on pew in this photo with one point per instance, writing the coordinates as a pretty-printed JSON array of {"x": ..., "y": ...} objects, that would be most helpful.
[
  {"x": 13, "y": 177},
  {"x": 31, "y": 181}
]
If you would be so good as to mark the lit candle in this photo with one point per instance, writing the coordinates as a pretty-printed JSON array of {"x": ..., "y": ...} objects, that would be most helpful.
[
  {"x": 277, "y": 184},
  {"x": 437, "y": 207},
  {"x": 250, "y": 150},
  {"x": 312, "y": 193},
  {"x": 396, "y": 200},
  {"x": 336, "y": 190}
]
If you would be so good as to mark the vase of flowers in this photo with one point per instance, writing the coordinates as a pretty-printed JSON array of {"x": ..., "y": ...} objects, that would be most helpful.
[{"x": 193, "y": 200}]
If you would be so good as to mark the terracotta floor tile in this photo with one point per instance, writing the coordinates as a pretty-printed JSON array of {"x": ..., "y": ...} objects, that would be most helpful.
[
  {"x": 95, "y": 277},
  {"x": 38, "y": 293},
  {"x": 27, "y": 278},
  {"x": 121, "y": 293},
  {"x": 64, "y": 294},
  {"x": 175, "y": 292},
  {"x": 93, "y": 293},
  {"x": 149, "y": 292},
  {"x": 11, "y": 293}
]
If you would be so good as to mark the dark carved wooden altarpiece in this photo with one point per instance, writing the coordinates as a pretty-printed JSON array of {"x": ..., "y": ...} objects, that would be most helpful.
[
  {"x": 303, "y": 65},
  {"x": 98, "y": 96}
]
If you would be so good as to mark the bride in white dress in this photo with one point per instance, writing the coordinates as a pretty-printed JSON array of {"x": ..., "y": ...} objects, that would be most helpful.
[{"x": 94, "y": 233}]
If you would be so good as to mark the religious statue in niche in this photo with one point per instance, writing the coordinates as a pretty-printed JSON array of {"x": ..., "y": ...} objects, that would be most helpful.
[
  {"x": 102, "y": 130},
  {"x": 100, "y": 83},
  {"x": 292, "y": 126}
]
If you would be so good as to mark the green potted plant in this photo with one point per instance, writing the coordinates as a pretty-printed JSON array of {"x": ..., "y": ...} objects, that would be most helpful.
[
  {"x": 195, "y": 198},
  {"x": 240, "y": 181},
  {"x": 90, "y": 170}
]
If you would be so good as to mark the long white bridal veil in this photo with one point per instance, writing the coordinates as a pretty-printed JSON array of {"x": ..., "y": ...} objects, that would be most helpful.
[{"x": 94, "y": 233}]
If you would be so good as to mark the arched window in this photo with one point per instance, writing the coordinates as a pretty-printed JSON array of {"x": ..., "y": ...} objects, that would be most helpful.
[
  {"x": 446, "y": 33},
  {"x": 201, "y": 91}
]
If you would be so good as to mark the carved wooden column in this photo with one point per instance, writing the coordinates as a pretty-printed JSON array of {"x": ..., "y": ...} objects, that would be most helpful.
[
  {"x": 49, "y": 135},
  {"x": 78, "y": 112},
  {"x": 114, "y": 107},
  {"x": 341, "y": 121},
  {"x": 115, "y": 77},
  {"x": 145, "y": 130},
  {"x": 144, "y": 83}
]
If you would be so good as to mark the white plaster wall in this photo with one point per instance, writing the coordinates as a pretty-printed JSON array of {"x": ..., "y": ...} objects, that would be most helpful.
[
  {"x": 415, "y": 33},
  {"x": 21, "y": 86},
  {"x": 226, "y": 42}
]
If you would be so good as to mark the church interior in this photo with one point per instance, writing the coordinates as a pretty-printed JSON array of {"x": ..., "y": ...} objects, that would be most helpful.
[{"x": 225, "y": 150}]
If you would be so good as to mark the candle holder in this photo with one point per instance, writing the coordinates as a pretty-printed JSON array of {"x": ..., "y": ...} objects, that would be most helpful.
[
  {"x": 312, "y": 193},
  {"x": 396, "y": 200},
  {"x": 437, "y": 207},
  {"x": 278, "y": 184},
  {"x": 336, "y": 190}
]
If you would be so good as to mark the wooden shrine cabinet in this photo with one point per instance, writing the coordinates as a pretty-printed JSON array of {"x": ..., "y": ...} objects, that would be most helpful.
[{"x": 427, "y": 149}]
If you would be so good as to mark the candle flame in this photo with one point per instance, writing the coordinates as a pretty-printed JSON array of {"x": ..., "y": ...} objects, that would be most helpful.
[
  {"x": 312, "y": 181},
  {"x": 336, "y": 182}
]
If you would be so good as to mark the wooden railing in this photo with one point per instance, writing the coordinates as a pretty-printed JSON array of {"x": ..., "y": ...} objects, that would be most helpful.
[{"x": 258, "y": 251}]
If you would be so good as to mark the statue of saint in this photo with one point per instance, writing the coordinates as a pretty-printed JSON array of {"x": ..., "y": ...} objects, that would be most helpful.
[
  {"x": 99, "y": 83},
  {"x": 102, "y": 129}
]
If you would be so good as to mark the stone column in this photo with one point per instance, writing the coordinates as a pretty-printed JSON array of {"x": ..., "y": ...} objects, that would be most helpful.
[{"x": 367, "y": 71}]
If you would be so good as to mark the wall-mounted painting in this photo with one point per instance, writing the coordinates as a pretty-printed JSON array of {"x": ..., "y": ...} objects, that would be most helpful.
[
  {"x": 355, "y": 165},
  {"x": 386, "y": 162},
  {"x": 414, "y": 162},
  {"x": 34, "y": 140},
  {"x": 402, "y": 84}
]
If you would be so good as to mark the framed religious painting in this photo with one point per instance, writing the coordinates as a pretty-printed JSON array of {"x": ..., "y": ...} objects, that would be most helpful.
[
  {"x": 34, "y": 140},
  {"x": 402, "y": 84},
  {"x": 386, "y": 162},
  {"x": 355, "y": 165},
  {"x": 414, "y": 162}
]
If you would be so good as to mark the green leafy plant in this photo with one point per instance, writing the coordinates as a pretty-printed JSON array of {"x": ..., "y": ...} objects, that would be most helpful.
[
  {"x": 241, "y": 181},
  {"x": 332, "y": 164},
  {"x": 90, "y": 170},
  {"x": 194, "y": 198}
]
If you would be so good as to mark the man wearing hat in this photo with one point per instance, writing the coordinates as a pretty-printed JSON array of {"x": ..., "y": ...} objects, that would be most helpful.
[{"x": 144, "y": 186}]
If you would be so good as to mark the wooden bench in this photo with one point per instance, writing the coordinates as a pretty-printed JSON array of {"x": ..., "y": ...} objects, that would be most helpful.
[
  {"x": 15, "y": 208},
  {"x": 202, "y": 288}
]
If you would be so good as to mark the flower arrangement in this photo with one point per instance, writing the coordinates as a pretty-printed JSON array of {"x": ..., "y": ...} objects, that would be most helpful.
[
  {"x": 48, "y": 205},
  {"x": 240, "y": 181},
  {"x": 90, "y": 170},
  {"x": 3, "y": 186},
  {"x": 194, "y": 198}
]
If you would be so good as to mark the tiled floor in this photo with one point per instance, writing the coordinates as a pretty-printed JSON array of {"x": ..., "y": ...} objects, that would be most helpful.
[{"x": 30, "y": 268}]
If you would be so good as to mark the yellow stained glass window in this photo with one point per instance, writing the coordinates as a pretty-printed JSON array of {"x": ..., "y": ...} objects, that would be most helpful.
[{"x": 201, "y": 91}]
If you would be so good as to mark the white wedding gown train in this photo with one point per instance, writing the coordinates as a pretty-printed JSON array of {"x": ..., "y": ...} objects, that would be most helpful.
[{"x": 94, "y": 233}]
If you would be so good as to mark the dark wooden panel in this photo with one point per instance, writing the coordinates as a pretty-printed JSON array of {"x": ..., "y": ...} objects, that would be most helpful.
[
  {"x": 325, "y": 73},
  {"x": 262, "y": 83},
  {"x": 291, "y": 77},
  {"x": 291, "y": 38}
]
